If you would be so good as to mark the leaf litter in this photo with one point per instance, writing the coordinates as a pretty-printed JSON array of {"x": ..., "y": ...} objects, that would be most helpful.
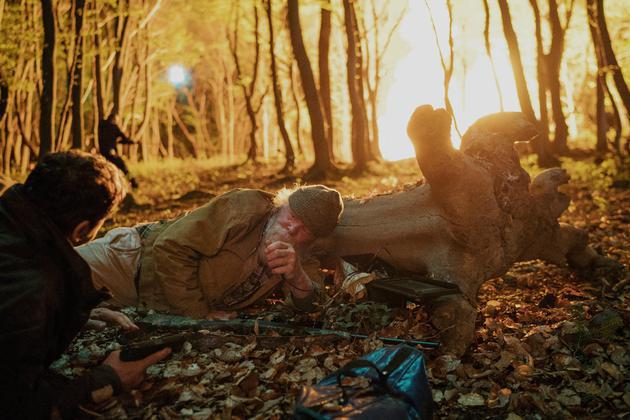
[{"x": 550, "y": 342}]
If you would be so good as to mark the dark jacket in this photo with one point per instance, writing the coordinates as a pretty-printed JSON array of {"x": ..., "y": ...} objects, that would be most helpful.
[{"x": 46, "y": 295}]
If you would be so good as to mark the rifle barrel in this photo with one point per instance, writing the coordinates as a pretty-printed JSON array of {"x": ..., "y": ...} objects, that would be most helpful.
[{"x": 244, "y": 326}]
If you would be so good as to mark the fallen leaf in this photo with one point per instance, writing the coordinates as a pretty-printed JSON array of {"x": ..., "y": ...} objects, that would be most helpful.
[
  {"x": 471, "y": 400},
  {"x": 611, "y": 370},
  {"x": 568, "y": 398}
]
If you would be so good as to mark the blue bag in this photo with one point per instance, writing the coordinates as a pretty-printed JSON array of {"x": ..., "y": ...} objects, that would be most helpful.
[{"x": 398, "y": 389}]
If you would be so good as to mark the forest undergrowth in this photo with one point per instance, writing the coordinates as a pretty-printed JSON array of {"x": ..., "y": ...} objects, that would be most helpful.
[{"x": 550, "y": 342}]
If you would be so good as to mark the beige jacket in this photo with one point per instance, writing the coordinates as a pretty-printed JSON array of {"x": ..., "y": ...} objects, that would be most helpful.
[{"x": 193, "y": 264}]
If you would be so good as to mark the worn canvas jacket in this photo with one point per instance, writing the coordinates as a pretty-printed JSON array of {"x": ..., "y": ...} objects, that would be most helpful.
[
  {"x": 46, "y": 295},
  {"x": 195, "y": 263}
]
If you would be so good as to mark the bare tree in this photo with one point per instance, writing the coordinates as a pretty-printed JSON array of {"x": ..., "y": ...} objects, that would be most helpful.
[
  {"x": 603, "y": 89},
  {"x": 248, "y": 83},
  {"x": 296, "y": 103},
  {"x": 121, "y": 26},
  {"x": 611, "y": 59},
  {"x": 543, "y": 140},
  {"x": 47, "y": 99},
  {"x": 486, "y": 39},
  {"x": 77, "y": 77},
  {"x": 324, "y": 69},
  {"x": 553, "y": 60},
  {"x": 277, "y": 96},
  {"x": 323, "y": 156},
  {"x": 359, "y": 149},
  {"x": 446, "y": 68},
  {"x": 373, "y": 68},
  {"x": 545, "y": 159}
]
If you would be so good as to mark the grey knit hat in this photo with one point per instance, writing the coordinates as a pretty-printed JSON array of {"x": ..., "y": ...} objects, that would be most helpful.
[{"x": 319, "y": 207}]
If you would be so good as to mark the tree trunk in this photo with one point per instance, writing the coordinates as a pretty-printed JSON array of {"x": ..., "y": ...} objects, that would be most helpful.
[
  {"x": 4, "y": 98},
  {"x": 360, "y": 83},
  {"x": 359, "y": 152},
  {"x": 77, "y": 77},
  {"x": 277, "y": 96},
  {"x": 486, "y": 39},
  {"x": 250, "y": 87},
  {"x": 494, "y": 215},
  {"x": 374, "y": 57},
  {"x": 611, "y": 59},
  {"x": 324, "y": 69},
  {"x": 447, "y": 69},
  {"x": 545, "y": 159},
  {"x": 98, "y": 78},
  {"x": 515, "y": 58},
  {"x": 298, "y": 113},
  {"x": 600, "y": 80},
  {"x": 553, "y": 61},
  {"x": 47, "y": 100},
  {"x": 122, "y": 23},
  {"x": 602, "y": 83},
  {"x": 541, "y": 144},
  {"x": 323, "y": 161}
]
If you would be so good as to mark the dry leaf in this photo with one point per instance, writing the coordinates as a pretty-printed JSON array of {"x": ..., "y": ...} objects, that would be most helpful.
[
  {"x": 471, "y": 400},
  {"x": 569, "y": 398}
]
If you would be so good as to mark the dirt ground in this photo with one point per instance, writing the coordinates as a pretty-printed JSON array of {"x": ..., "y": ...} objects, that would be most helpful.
[{"x": 550, "y": 342}]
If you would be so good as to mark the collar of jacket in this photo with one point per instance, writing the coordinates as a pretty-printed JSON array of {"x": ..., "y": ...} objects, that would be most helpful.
[{"x": 38, "y": 227}]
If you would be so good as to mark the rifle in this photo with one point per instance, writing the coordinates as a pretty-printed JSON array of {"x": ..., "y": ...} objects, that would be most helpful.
[
  {"x": 141, "y": 349},
  {"x": 251, "y": 326}
]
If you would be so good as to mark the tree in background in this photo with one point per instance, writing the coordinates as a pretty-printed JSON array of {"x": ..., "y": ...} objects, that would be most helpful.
[
  {"x": 545, "y": 158},
  {"x": 324, "y": 67},
  {"x": 447, "y": 68},
  {"x": 77, "y": 76},
  {"x": 607, "y": 64},
  {"x": 488, "y": 47},
  {"x": 248, "y": 81},
  {"x": 115, "y": 56},
  {"x": 375, "y": 51},
  {"x": 603, "y": 90},
  {"x": 323, "y": 157},
  {"x": 277, "y": 96},
  {"x": 359, "y": 145},
  {"x": 47, "y": 98},
  {"x": 553, "y": 61}
]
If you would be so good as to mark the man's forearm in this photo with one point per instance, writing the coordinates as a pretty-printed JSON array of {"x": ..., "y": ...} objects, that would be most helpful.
[
  {"x": 301, "y": 286},
  {"x": 52, "y": 391}
]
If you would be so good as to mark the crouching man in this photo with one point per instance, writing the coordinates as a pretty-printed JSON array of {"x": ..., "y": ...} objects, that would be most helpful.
[
  {"x": 46, "y": 292},
  {"x": 221, "y": 257}
]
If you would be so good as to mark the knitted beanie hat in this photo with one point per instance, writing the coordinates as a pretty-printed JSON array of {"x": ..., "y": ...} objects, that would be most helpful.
[{"x": 319, "y": 207}]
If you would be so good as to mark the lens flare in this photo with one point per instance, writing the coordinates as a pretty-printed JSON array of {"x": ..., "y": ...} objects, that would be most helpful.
[{"x": 178, "y": 75}]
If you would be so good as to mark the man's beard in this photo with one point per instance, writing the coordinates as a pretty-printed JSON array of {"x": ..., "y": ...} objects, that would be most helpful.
[{"x": 274, "y": 232}]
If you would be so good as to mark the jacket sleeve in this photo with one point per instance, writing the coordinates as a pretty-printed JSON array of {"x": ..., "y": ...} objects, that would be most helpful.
[
  {"x": 27, "y": 343},
  {"x": 65, "y": 394},
  {"x": 118, "y": 134},
  {"x": 179, "y": 249},
  {"x": 307, "y": 304},
  {"x": 125, "y": 140}
]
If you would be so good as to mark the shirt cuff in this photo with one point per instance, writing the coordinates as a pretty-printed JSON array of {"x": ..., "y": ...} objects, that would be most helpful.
[{"x": 104, "y": 383}]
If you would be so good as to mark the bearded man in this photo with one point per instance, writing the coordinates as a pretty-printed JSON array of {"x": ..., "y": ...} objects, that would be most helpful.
[{"x": 221, "y": 257}]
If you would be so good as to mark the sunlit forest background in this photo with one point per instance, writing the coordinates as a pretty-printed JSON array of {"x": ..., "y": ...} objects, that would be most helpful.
[{"x": 326, "y": 83}]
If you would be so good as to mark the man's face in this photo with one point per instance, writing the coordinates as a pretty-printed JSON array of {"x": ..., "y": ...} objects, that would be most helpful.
[{"x": 289, "y": 228}]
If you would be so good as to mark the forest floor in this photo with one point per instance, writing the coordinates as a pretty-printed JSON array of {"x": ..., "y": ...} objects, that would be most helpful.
[{"x": 550, "y": 342}]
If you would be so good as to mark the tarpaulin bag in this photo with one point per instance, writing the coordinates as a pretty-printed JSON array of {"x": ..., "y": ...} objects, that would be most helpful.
[{"x": 398, "y": 388}]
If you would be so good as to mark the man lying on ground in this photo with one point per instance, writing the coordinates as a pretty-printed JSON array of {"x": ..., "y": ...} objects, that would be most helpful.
[
  {"x": 221, "y": 257},
  {"x": 46, "y": 291}
]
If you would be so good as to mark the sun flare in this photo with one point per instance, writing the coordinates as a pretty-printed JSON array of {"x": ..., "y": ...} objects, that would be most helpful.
[{"x": 417, "y": 78}]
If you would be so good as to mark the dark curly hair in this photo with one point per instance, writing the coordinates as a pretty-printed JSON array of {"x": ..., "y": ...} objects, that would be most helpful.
[{"x": 70, "y": 187}]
